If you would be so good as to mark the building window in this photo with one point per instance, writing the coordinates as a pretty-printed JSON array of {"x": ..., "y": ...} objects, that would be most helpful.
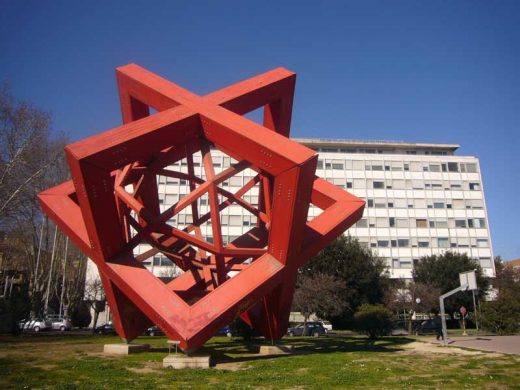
[
  {"x": 380, "y": 203},
  {"x": 391, "y": 221},
  {"x": 485, "y": 262},
  {"x": 424, "y": 243},
  {"x": 383, "y": 243},
  {"x": 443, "y": 242},
  {"x": 482, "y": 242},
  {"x": 402, "y": 222},
  {"x": 421, "y": 223},
  {"x": 403, "y": 243},
  {"x": 474, "y": 186},
  {"x": 406, "y": 264},
  {"x": 362, "y": 223},
  {"x": 441, "y": 223},
  {"x": 460, "y": 223},
  {"x": 471, "y": 168},
  {"x": 349, "y": 184},
  {"x": 379, "y": 184},
  {"x": 358, "y": 165},
  {"x": 453, "y": 167}
]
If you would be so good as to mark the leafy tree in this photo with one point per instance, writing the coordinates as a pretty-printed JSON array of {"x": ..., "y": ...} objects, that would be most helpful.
[
  {"x": 507, "y": 278},
  {"x": 321, "y": 294},
  {"x": 442, "y": 271},
  {"x": 361, "y": 272},
  {"x": 502, "y": 315},
  {"x": 373, "y": 320}
]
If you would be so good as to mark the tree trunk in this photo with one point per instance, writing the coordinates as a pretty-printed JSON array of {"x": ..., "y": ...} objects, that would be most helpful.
[{"x": 94, "y": 323}]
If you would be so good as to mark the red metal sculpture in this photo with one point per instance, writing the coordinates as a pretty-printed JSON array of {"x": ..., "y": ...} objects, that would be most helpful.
[{"x": 112, "y": 205}]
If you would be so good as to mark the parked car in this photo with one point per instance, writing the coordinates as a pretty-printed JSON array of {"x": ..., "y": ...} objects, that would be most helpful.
[
  {"x": 327, "y": 325},
  {"x": 313, "y": 329},
  {"x": 426, "y": 327},
  {"x": 154, "y": 331},
  {"x": 105, "y": 329},
  {"x": 61, "y": 324},
  {"x": 37, "y": 325},
  {"x": 225, "y": 331}
]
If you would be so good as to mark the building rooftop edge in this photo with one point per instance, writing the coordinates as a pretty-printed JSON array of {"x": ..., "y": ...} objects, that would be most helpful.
[{"x": 351, "y": 142}]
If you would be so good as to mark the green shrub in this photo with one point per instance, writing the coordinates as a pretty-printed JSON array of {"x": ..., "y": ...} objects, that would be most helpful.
[
  {"x": 501, "y": 316},
  {"x": 373, "y": 320}
]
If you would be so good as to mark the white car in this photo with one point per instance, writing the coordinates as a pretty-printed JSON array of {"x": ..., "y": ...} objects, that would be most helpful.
[
  {"x": 37, "y": 325},
  {"x": 327, "y": 325}
]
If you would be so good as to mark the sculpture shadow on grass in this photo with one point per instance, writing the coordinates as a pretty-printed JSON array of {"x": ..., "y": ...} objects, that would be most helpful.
[{"x": 237, "y": 350}]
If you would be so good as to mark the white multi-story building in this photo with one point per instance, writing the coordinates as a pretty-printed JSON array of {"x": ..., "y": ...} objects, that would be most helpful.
[{"x": 422, "y": 199}]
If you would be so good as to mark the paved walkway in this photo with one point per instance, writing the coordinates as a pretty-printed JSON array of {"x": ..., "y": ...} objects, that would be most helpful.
[{"x": 500, "y": 344}]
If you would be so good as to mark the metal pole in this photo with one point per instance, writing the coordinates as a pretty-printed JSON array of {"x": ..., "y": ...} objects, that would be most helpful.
[
  {"x": 443, "y": 320},
  {"x": 39, "y": 253},
  {"x": 46, "y": 306},
  {"x": 464, "y": 287},
  {"x": 475, "y": 309},
  {"x": 63, "y": 278}
]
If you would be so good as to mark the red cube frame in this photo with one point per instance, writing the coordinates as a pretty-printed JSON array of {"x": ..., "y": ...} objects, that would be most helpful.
[{"x": 112, "y": 205}]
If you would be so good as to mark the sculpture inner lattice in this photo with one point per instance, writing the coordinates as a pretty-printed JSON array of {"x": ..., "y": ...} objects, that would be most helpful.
[{"x": 112, "y": 205}]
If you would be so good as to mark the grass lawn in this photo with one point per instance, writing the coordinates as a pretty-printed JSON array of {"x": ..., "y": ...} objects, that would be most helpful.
[{"x": 76, "y": 362}]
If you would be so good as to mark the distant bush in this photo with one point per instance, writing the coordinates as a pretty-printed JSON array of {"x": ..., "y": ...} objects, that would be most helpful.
[
  {"x": 373, "y": 320},
  {"x": 501, "y": 316},
  {"x": 80, "y": 316}
]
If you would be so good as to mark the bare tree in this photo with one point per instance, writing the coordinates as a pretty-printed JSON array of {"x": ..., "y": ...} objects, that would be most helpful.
[
  {"x": 27, "y": 151},
  {"x": 319, "y": 293},
  {"x": 95, "y": 298},
  {"x": 31, "y": 160}
]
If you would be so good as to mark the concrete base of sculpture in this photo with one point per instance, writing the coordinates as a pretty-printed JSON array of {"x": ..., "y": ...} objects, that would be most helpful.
[
  {"x": 276, "y": 349},
  {"x": 179, "y": 361},
  {"x": 125, "y": 349}
]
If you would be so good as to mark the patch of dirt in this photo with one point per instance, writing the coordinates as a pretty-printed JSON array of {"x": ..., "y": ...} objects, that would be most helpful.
[
  {"x": 46, "y": 367},
  {"x": 231, "y": 366},
  {"x": 149, "y": 368},
  {"x": 423, "y": 347},
  {"x": 302, "y": 370},
  {"x": 142, "y": 370}
]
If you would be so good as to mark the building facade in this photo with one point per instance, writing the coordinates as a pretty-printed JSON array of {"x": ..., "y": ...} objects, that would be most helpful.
[{"x": 422, "y": 199}]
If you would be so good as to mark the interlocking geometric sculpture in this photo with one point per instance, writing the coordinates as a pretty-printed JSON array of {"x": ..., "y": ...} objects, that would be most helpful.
[{"x": 112, "y": 205}]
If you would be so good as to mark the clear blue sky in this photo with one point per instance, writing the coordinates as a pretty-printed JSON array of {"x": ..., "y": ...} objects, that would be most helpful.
[{"x": 424, "y": 71}]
